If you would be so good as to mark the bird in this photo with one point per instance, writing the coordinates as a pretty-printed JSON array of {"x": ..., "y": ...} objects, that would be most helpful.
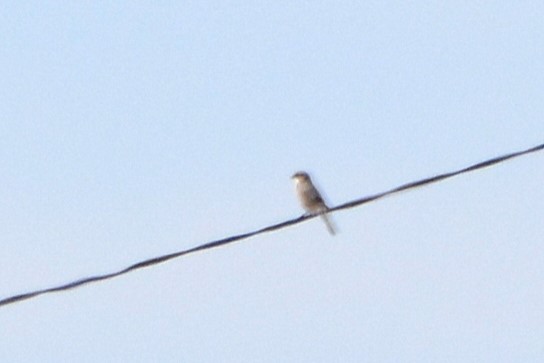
[{"x": 310, "y": 198}]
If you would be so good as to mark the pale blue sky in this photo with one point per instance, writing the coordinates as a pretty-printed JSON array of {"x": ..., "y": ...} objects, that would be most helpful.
[{"x": 131, "y": 129}]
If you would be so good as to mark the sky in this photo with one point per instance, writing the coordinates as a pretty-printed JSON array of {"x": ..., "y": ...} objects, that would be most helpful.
[{"x": 134, "y": 129}]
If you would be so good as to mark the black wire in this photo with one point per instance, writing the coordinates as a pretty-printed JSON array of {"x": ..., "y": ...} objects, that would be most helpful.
[
  {"x": 437, "y": 178},
  {"x": 232, "y": 239}
]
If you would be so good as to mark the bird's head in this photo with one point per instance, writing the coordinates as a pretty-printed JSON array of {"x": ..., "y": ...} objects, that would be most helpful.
[{"x": 300, "y": 176}]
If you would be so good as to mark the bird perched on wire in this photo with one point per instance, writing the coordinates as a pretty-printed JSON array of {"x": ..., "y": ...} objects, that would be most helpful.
[{"x": 310, "y": 198}]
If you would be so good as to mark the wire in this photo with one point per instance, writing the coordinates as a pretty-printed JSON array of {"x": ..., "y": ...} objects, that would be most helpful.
[{"x": 224, "y": 241}]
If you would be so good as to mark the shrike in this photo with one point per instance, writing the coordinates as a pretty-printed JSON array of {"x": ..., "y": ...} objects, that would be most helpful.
[{"x": 310, "y": 198}]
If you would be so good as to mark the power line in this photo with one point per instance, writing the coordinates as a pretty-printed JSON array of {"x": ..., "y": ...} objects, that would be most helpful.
[{"x": 224, "y": 241}]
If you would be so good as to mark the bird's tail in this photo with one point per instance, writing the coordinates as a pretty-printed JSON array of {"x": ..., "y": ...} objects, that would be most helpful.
[{"x": 328, "y": 223}]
